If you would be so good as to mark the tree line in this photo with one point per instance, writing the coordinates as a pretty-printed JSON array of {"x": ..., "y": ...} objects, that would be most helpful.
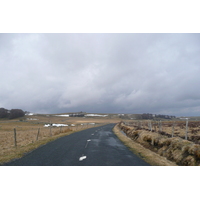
[
  {"x": 152, "y": 116},
  {"x": 11, "y": 114}
]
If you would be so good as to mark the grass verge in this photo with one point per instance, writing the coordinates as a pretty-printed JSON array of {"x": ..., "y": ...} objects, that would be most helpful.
[
  {"x": 19, "y": 152},
  {"x": 146, "y": 154}
]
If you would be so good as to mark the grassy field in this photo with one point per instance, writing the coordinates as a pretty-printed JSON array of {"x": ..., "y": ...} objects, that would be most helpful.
[{"x": 31, "y": 133}]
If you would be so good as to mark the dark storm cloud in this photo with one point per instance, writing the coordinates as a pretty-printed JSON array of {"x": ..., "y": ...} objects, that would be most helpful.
[{"x": 131, "y": 73}]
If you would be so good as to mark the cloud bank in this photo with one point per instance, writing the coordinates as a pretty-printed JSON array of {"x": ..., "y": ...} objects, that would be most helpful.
[{"x": 101, "y": 73}]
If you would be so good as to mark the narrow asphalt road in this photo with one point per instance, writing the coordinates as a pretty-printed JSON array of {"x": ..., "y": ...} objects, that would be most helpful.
[{"x": 97, "y": 146}]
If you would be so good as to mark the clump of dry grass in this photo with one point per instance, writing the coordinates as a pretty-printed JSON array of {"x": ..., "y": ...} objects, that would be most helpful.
[
  {"x": 146, "y": 154},
  {"x": 176, "y": 149}
]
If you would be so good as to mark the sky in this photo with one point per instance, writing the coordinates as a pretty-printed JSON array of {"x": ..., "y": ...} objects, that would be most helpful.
[{"x": 101, "y": 72}]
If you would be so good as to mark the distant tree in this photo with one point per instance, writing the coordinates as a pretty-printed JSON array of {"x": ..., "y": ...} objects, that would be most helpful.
[
  {"x": 147, "y": 116},
  {"x": 15, "y": 113},
  {"x": 3, "y": 113},
  {"x": 137, "y": 116}
]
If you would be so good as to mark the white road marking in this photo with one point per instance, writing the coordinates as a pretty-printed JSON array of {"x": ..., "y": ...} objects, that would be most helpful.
[
  {"x": 82, "y": 158},
  {"x": 87, "y": 143}
]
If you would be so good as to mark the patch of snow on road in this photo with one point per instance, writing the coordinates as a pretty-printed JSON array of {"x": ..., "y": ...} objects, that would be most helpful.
[{"x": 82, "y": 158}]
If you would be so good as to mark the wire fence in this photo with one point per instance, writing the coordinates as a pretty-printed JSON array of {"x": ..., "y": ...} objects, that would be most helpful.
[
  {"x": 188, "y": 130},
  {"x": 19, "y": 137}
]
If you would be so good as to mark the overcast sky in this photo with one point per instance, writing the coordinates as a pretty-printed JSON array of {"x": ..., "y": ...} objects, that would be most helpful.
[{"x": 101, "y": 73}]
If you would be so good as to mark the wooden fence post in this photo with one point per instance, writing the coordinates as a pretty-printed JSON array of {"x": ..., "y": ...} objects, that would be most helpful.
[
  {"x": 173, "y": 129},
  {"x": 155, "y": 126},
  {"x": 50, "y": 131},
  {"x": 186, "y": 131},
  {"x": 15, "y": 138},
  {"x": 38, "y": 134},
  {"x": 160, "y": 126},
  {"x": 150, "y": 126}
]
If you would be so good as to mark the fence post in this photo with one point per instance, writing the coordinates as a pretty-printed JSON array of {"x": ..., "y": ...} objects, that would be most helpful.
[
  {"x": 160, "y": 126},
  {"x": 15, "y": 138},
  {"x": 50, "y": 131},
  {"x": 155, "y": 126},
  {"x": 173, "y": 129},
  {"x": 38, "y": 134},
  {"x": 186, "y": 131},
  {"x": 150, "y": 126}
]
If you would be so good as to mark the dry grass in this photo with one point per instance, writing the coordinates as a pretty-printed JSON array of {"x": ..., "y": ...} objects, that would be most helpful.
[
  {"x": 175, "y": 149},
  {"x": 179, "y": 127},
  {"x": 13, "y": 153},
  {"x": 146, "y": 154}
]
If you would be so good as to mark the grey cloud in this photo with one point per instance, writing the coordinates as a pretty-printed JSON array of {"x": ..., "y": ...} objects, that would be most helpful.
[{"x": 131, "y": 73}]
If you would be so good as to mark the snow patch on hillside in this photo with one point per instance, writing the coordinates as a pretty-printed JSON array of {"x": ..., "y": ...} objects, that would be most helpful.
[
  {"x": 62, "y": 115},
  {"x": 30, "y": 114},
  {"x": 95, "y": 115},
  {"x": 55, "y": 125}
]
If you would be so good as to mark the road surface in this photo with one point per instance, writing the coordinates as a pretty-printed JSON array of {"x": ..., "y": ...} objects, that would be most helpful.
[{"x": 97, "y": 146}]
